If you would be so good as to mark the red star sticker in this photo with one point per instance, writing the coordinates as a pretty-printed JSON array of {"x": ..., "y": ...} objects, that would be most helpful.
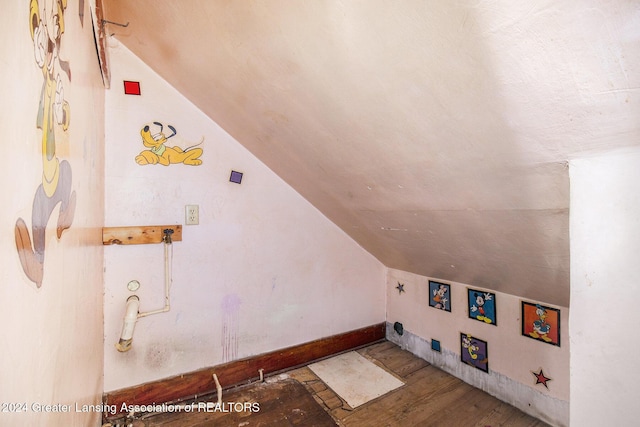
[{"x": 541, "y": 379}]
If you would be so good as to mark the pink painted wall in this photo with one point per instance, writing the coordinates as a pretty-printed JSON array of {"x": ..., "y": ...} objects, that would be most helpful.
[
  {"x": 263, "y": 270},
  {"x": 512, "y": 356},
  {"x": 52, "y": 333}
]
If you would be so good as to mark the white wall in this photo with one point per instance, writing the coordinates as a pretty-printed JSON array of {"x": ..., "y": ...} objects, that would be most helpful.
[
  {"x": 512, "y": 357},
  {"x": 51, "y": 335},
  {"x": 605, "y": 283},
  {"x": 263, "y": 270}
]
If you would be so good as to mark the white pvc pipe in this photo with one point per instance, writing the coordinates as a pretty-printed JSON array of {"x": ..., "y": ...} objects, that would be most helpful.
[
  {"x": 130, "y": 318},
  {"x": 167, "y": 285},
  {"x": 132, "y": 311},
  {"x": 218, "y": 389}
]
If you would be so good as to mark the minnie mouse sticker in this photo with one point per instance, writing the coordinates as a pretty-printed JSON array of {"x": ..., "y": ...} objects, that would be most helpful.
[{"x": 440, "y": 295}]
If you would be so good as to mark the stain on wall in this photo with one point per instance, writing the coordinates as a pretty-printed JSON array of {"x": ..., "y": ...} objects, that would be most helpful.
[
  {"x": 230, "y": 326},
  {"x": 158, "y": 355}
]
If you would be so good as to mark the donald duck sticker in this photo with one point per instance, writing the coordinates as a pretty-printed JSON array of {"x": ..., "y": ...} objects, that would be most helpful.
[{"x": 541, "y": 323}]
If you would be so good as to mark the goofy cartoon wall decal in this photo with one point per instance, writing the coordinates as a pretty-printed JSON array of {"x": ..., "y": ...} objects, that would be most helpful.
[
  {"x": 47, "y": 26},
  {"x": 159, "y": 153}
]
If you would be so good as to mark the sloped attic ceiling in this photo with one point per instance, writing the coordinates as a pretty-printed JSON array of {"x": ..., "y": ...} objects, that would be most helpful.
[{"x": 435, "y": 133}]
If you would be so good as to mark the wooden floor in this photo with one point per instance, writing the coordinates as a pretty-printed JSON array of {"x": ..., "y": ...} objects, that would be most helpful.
[{"x": 430, "y": 397}]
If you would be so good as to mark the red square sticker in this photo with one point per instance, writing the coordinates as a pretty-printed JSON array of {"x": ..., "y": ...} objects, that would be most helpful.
[{"x": 131, "y": 88}]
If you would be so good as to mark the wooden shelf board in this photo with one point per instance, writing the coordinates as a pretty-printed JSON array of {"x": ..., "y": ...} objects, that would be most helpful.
[{"x": 139, "y": 235}]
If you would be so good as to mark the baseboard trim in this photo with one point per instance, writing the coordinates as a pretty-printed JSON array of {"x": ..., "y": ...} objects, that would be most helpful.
[
  {"x": 200, "y": 382},
  {"x": 530, "y": 401}
]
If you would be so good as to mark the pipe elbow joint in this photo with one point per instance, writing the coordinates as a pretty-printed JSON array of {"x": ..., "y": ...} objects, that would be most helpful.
[{"x": 130, "y": 319}]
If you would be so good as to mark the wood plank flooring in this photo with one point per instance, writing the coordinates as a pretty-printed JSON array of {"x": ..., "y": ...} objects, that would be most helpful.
[{"x": 430, "y": 397}]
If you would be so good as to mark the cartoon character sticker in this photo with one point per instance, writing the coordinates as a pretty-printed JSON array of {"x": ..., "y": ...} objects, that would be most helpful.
[
  {"x": 482, "y": 306},
  {"x": 541, "y": 323},
  {"x": 159, "y": 153},
  {"x": 473, "y": 351},
  {"x": 439, "y": 295},
  {"x": 47, "y": 26}
]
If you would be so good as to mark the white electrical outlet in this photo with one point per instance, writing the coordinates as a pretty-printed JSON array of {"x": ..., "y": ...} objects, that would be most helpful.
[{"x": 192, "y": 215}]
